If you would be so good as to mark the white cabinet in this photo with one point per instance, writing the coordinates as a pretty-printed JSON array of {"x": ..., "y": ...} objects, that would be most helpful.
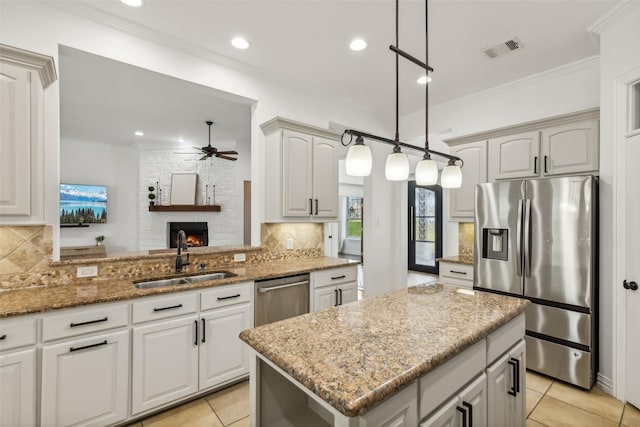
[
  {"x": 18, "y": 388},
  {"x": 514, "y": 156},
  {"x": 401, "y": 410},
  {"x": 333, "y": 287},
  {"x": 474, "y": 171},
  {"x": 301, "y": 176},
  {"x": 506, "y": 388},
  {"x": 85, "y": 381},
  {"x": 570, "y": 148},
  {"x": 468, "y": 408},
  {"x": 456, "y": 274}
]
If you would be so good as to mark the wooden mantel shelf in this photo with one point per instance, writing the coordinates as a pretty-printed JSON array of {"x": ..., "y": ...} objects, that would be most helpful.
[{"x": 185, "y": 208}]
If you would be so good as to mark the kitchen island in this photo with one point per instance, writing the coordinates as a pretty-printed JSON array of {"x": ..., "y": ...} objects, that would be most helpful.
[{"x": 419, "y": 356}]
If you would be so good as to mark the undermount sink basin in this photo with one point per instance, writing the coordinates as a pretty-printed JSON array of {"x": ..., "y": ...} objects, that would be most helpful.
[{"x": 147, "y": 284}]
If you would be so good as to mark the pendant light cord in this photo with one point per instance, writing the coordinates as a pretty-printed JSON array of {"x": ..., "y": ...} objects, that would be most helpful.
[
  {"x": 426, "y": 90},
  {"x": 397, "y": 84}
]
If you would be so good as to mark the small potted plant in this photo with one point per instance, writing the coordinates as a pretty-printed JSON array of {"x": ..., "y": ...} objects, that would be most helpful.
[
  {"x": 99, "y": 240},
  {"x": 152, "y": 195}
]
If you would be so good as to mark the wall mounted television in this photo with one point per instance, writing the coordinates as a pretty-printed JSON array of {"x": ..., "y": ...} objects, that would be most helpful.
[{"x": 83, "y": 204}]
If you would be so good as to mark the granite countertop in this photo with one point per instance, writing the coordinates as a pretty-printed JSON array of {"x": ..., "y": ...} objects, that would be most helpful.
[
  {"x": 457, "y": 259},
  {"x": 35, "y": 300},
  {"x": 357, "y": 355}
]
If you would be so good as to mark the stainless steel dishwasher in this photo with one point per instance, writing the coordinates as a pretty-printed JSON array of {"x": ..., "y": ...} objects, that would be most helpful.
[{"x": 281, "y": 298}]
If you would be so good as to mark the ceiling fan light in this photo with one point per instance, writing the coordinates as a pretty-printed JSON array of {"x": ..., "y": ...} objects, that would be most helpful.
[
  {"x": 359, "y": 159},
  {"x": 132, "y": 3},
  {"x": 451, "y": 176},
  {"x": 426, "y": 172},
  {"x": 396, "y": 167}
]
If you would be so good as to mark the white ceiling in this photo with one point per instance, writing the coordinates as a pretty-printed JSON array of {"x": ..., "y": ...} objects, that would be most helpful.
[{"x": 304, "y": 43}]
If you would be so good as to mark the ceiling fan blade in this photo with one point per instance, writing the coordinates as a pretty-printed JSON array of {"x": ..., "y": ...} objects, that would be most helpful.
[
  {"x": 227, "y": 152},
  {"x": 204, "y": 157},
  {"x": 182, "y": 152},
  {"x": 226, "y": 157},
  {"x": 196, "y": 148}
]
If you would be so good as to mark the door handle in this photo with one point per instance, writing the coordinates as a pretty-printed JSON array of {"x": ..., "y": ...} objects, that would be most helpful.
[
  {"x": 545, "y": 164},
  {"x": 335, "y": 291},
  {"x": 310, "y": 206},
  {"x": 195, "y": 341},
  {"x": 469, "y": 407},
  {"x": 90, "y": 322},
  {"x": 535, "y": 165},
  {"x": 168, "y": 308},
  {"x": 412, "y": 219},
  {"x": 340, "y": 294},
  {"x": 630, "y": 285},
  {"x": 527, "y": 237},
  {"x": 316, "y": 206},
  {"x": 288, "y": 285},
  {"x": 514, "y": 372},
  {"x": 519, "y": 240},
  {"x": 517, "y": 374},
  {"x": 72, "y": 349},
  {"x": 204, "y": 333},
  {"x": 464, "y": 415}
]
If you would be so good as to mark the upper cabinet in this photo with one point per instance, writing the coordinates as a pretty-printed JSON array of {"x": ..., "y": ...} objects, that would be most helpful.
[
  {"x": 570, "y": 148},
  {"x": 514, "y": 156},
  {"x": 462, "y": 200},
  {"x": 23, "y": 77},
  {"x": 301, "y": 172}
]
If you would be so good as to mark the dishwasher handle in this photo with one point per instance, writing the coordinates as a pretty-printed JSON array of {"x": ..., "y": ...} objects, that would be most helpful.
[{"x": 288, "y": 285}]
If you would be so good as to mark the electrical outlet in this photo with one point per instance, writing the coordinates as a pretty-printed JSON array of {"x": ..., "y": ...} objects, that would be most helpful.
[
  {"x": 239, "y": 257},
  {"x": 90, "y": 271},
  {"x": 289, "y": 243}
]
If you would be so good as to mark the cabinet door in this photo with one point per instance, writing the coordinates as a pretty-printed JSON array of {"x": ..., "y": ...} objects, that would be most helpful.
[
  {"x": 223, "y": 356},
  {"x": 517, "y": 353},
  {"x": 164, "y": 362},
  {"x": 462, "y": 200},
  {"x": 473, "y": 399},
  {"x": 86, "y": 381},
  {"x": 400, "y": 410},
  {"x": 515, "y": 156},
  {"x": 499, "y": 405},
  {"x": 348, "y": 292},
  {"x": 447, "y": 416},
  {"x": 18, "y": 388},
  {"x": 324, "y": 298},
  {"x": 325, "y": 178},
  {"x": 297, "y": 190},
  {"x": 571, "y": 148}
]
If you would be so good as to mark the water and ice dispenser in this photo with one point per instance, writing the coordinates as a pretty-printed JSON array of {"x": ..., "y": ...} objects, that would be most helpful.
[{"x": 495, "y": 243}]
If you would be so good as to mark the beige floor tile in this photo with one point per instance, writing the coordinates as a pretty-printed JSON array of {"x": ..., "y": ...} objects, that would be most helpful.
[
  {"x": 533, "y": 397},
  {"x": 193, "y": 414},
  {"x": 533, "y": 423},
  {"x": 538, "y": 382},
  {"x": 556, "y": 413},
  {"x": 231, "y": 404},
  {"x": 595, "y": 401},
  {"x": 242, "y": 423},
  {"x": 630, "y": 416}
]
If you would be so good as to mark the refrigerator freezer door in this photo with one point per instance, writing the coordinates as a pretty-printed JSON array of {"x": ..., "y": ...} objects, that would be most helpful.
[
  {"x": 559, "y": 243},
  {"x": 497, "y": 207},
  {"x": 565, "y": 363},
  {"x": 566, "y": 325}
]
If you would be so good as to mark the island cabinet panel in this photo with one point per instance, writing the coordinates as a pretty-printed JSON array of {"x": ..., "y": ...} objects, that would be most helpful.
[
  {"x": 86, "y": 381},
  {"x": 18, "y": 388},
  {"x": 446, "y": 416},
  {"x": 506, "y": 388},
  {"x": 400, "y": 410}
]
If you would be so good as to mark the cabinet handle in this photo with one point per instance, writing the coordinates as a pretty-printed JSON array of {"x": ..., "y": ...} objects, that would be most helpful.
[
  {"x": 517, "y": 374},
  {"x": 195, "y": 341},
  {"x": 512, "y": 362},
  {"x": 336, "y": 292},
  {"x": 340, "y": 294},
  {"x": 229, "y": 297},
  {"x": 464, "y": 415},
  {"x": 545, "y": 164},
  {"x": 316, "y": 206},
  {"x": 338, "y": 277},
  {"x": 73, "y": 325},
  {"x": 458, "y": 272},
  {"x": 3, "y": 337},
  {"x": 469, "y": 406},
  {"x": 535, "y": 165},
  {"x": 72, "y": 349},
  {"x": 310, "y": 206},
  {"x": 167, "y": 308},
  {"x": 204, "y": 333}
]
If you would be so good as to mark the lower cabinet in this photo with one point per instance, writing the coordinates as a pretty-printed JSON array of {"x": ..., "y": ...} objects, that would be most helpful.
[
  {"x": 401, "y": 410},
  {"x": 505, "y": 388},
  {"x": 468, "y": 408},
  {"x": 332, "y": 296},
  {"x": 85, "y": 381},
  {"x": 18, "y": 388}
]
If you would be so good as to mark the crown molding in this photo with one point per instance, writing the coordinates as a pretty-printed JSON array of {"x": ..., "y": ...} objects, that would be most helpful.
[
  {"x": 613, "y": 15},
  {"x": 42, "y": 64},
  {"x": 281, "y": 123}
]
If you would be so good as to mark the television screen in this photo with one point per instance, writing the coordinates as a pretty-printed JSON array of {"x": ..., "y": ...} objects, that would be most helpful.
[{"x": 83, "y": 204}]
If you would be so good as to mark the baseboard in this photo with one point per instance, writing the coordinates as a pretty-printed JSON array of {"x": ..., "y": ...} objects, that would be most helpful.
[{"x": 605, "y": 384}]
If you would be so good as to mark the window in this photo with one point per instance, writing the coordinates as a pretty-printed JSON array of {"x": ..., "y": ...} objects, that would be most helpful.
[
  {"x": 425, "y": 227},
  {"x": 354, "y": 217}
]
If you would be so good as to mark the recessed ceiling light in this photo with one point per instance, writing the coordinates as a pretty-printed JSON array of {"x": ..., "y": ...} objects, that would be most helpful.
[
  {"x": 132, "y": 3},
  {"x": 138, "y": 133},
  {"x": 424, "y": 79},
  {"x": 240, "y": 43},
  {"x": 181, "y": 139},
  {"x": 358, "y": 45}
]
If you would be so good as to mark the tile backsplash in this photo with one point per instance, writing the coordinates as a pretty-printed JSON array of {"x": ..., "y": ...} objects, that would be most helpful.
[
  {"x": 304, "y": 236},
  {"x": 25, "y": 249},
  {"x": 465, "y": 238}
]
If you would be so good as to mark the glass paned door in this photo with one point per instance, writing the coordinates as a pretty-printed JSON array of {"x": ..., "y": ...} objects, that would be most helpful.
[{"x": 425, "y": 227}]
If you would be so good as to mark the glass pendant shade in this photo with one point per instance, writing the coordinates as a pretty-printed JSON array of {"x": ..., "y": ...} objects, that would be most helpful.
[
  {"x": 358, "y": 162},
  {"x": 426, "y": 172},
  {"x": 451, "y": 176},
  {"x": 397, "y": 167}
]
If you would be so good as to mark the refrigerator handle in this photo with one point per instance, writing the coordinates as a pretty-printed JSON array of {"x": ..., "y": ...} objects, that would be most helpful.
[
  {"x": 527, "y": 237},
  {"x": 519, "y": 240}
]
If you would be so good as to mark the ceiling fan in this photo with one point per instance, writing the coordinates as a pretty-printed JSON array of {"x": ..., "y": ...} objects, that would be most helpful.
[{"x": 210, "y": 151}]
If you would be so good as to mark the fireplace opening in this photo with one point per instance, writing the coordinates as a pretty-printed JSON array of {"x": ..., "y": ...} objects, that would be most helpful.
[{"x": 197, "y": 233}]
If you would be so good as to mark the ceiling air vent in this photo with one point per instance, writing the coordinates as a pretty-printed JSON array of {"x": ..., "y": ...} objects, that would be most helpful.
[{"x": 503, "y": 48}]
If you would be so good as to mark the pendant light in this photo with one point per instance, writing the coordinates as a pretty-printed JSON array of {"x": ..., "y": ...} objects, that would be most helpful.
[
  {"x": 359, "y": 160},
  {"x": 451, "y": 176}
]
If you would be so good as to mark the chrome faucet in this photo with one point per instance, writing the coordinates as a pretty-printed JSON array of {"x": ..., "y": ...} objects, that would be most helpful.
[{"x": 181, "y": 243}]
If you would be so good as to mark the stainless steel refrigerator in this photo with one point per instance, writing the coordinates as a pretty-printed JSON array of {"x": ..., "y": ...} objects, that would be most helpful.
[{"x": 537, "y": 239}]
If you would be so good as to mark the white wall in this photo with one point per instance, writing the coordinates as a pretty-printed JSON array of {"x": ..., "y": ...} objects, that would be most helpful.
[{"x": 115, "y": 166}]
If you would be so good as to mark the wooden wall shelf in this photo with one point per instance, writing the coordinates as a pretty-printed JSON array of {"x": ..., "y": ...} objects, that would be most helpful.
[{"x": 185, "y": 208}]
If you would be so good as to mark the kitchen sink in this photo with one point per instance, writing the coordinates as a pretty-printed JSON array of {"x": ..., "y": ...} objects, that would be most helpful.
[{"x": 148, "y": 284}]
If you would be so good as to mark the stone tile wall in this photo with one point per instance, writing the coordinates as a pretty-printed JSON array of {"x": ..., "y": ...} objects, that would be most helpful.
[
  {"x": 25, "y": 249},
  {"x": 305, "y": 236},
  {"x": 465, "y": 238}
]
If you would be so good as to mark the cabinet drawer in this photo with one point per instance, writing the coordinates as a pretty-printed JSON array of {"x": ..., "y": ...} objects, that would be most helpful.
[
  {"x": 163, "y": 307},
  {"x": 82, "y": 321},
  {"x": 505, "y": 337},
  {"x": 335, "y": 276},
  {"x": 226, "y": 295},
  {"x": 456, "y": 271},
  {"x": 16, "y": 333}
]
